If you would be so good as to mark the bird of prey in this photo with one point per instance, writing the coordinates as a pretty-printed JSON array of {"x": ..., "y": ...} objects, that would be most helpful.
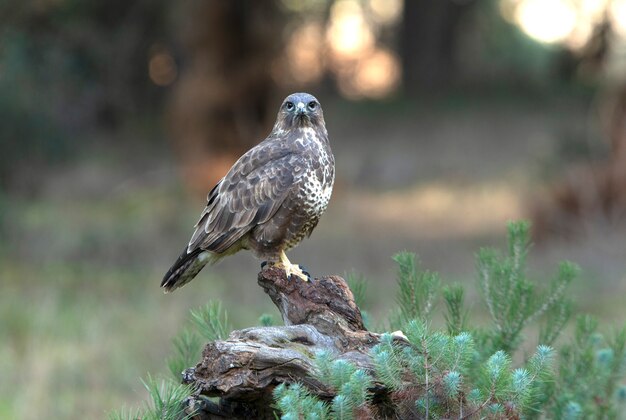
[{"x": 270, "y": 199}]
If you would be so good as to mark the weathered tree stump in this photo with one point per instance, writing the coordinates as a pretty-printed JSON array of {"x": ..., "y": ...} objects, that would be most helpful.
[{"x": 244, "y": 369}]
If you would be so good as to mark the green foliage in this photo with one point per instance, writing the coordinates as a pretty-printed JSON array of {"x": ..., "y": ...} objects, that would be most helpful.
[
  {"x": 440, "y": 358},
  {"x": 165, "y": 402},
  {"x": 356, "y": 389},
  {"x": 266, "y": 320},
  {"x": 323, "y": 360},
  {"x": 468, "y": 372},
  {"x": 417, "y": 289},
  {"x": 559, "y": 310},
  {"x": 50, "y": 71},
  {"x": 350, "y": 384},
  {"x": 40, "y": 136},
  {"x": 340, "y": 373},
  {"x": 387, "y": 364},
  {"x": 452, "y": 384},
  {"x": 187, "y": 349},
  {"x": 462, "y": 372},
  {"x": 513, "y": 300},
  {"x": 495, "y": 377},
  {"x": 211, "y": 321},
  {"x": 166, "y": 399},
  {"x": 589, "y": 375},
  {"x": 295, "y": 402},
  {"x": 436, "y": 365},
  {"x": 358, "y": 286},
  {"x": 342, "y": 409},
  {"x": 456, "y": 314}
]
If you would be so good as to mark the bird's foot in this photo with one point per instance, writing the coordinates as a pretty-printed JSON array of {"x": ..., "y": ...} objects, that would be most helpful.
[
  {"x": 305, "y": 271},
  {"x": 294, "y": 270},
  {"x": 264, "y": 264}
]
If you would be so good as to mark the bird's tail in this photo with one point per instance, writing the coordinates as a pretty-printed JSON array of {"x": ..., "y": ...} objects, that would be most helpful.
[{"x": 186, "y": 267}]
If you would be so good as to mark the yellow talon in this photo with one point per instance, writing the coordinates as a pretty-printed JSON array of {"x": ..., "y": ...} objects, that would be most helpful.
[{"x": 291, "y": 269}]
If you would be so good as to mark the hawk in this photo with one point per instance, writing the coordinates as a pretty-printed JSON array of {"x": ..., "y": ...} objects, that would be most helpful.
[{"x": 270, "y": 199}]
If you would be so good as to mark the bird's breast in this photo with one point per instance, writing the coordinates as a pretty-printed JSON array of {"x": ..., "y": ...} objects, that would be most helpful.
[{"x": 317, "y": 186}]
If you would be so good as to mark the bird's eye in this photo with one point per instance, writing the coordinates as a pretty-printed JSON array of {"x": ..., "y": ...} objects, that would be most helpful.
[
  {"x": 289, "y": 106},
  {"x": 312, "y": 105}
]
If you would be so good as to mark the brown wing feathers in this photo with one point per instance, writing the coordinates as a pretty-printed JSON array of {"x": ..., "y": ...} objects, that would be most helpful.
[
  {"x": 270, "y": 198},
  {"x": 243, "y": 199}
]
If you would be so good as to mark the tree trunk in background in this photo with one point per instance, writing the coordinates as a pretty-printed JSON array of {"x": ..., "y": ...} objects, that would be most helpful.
[
  {"x": 429, "y": 40},
  {"x": 225, "y": 99},
  {"x": 591, "y": 192},
  {"x": 614, "y": 201}
]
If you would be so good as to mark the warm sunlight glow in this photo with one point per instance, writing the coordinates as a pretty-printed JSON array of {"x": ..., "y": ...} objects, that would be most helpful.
[
  {"x": 590, "y": 14},
  {"x": 486, "y": 207},
  {"x": 349, "y": 35},
  {"x": 579, "y": 37},
  {"x": 618, "y": 16},
  {"x": 377, "y": 75},
  {"x": 507, "y": 10},
  {"x": 386, "y": 12},
  {"x": 592, "y": 9},
  {"x": 304, "y": 53},
  {"x": 547, "y": 21}
]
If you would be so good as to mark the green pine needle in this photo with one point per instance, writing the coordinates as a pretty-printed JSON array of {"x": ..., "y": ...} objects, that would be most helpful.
[
  {"x": 387, "y": 368},
  {"x": 452, "y": 384},
  {"x": 358, "y": 286},
  {"x": 417, "y": 289},
  {"x": 266, "y": 320},
  {"x": 167, "y": 398},
  {"x": 340, "y": 373},
  {"x": 211, "y": 321},
  {"x": 342, "y": 408},
  {"x": 465, "y": 370},
  {"x": 456, "y": 316},
  {"x": 513, "y": 301},
  {"x": 187, "y": 349}
]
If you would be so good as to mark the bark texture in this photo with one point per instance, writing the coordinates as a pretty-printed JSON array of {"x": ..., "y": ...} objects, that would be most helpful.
[{"x": 244, "y": 369}]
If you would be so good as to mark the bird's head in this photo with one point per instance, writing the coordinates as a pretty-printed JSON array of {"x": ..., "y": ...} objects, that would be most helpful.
[{"x": 300, "y": 110}]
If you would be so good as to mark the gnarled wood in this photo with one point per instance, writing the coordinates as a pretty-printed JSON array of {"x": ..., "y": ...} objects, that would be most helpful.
[{"x": 244, "y": 369}]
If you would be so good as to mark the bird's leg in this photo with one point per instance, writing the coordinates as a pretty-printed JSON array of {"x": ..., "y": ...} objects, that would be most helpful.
[{"x": 292, "y": 269}]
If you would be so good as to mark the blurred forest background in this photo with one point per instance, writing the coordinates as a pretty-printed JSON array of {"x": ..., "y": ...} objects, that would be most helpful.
[{"x": 447, "y": 119}]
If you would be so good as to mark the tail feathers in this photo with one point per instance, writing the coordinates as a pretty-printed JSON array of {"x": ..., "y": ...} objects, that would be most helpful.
[{"x": 186, "y": 267}]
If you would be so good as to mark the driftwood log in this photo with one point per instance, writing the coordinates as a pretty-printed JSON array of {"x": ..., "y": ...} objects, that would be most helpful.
[{"x": 243, "y": 370}]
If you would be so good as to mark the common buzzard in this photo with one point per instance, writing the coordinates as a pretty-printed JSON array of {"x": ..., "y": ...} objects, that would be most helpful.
[{"x": 270, "y": 199}]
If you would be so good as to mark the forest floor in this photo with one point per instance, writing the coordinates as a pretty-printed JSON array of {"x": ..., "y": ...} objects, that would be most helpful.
[{"x": 81, "y": 309}]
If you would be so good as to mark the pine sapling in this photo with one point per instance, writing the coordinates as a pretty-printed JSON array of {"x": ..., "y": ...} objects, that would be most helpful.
[
  {"x": 417, "y": 289},
  {"x": 211, "y": 321},
  {"x": 456, "y": 314},
  {"x": 166, "y": 400},
  {"x": 266, "y": 320},
  {"x": 513, "y": 301},
  {"x": 187, "y": 349}
]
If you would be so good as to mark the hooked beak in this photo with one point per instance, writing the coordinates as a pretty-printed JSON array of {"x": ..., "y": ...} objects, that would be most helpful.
[{"x": 300, "y": 108}]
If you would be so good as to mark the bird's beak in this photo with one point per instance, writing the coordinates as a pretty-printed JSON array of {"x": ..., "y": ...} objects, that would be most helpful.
[{"x": 300, "y": 108}]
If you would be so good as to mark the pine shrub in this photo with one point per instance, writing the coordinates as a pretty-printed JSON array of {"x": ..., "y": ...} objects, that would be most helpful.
[{"x": 463, "y": 371}]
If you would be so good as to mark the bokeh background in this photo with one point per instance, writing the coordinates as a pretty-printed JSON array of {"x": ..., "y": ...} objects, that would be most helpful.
[{"x": 447, "y": 119}]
